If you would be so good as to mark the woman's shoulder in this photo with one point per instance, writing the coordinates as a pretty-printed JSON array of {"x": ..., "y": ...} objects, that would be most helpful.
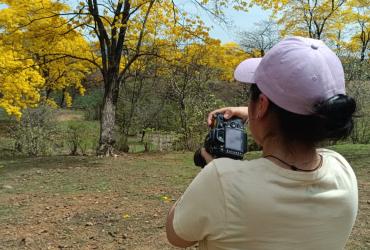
[
  {"x": 329, "y": 153},
  {"x": 336, "y": 161},
  {"x": 226, "y": 166}
]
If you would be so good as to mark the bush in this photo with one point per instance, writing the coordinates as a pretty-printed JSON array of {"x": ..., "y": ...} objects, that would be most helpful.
[
  {"x": 360, "y": 90},
  {"x": 33, "y": 134},
  {"x": 122, "y": 143},
  {"x": 81, "y": 137}
]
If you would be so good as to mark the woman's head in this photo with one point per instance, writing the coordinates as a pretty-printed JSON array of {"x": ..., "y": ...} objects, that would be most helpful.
[
  {"x": 298, "y": 85},
  {"x": 332, "y": 119},
  {"x": 295, "y": 74}
]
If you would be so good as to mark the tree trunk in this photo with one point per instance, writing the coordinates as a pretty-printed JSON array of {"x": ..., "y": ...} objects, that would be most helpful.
[
  {"x": 363, "y": 50},
  {"x": 62, "y": 99},
  {"x": 142, "y": 135},
  {"x": 107, "y": 124}
]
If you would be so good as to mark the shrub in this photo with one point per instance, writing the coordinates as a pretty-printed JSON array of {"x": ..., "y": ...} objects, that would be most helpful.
[
  {"x": 81, "y": 137},
  {"x": 360, "y": 90},
  {"x": 33, "y": 134}
]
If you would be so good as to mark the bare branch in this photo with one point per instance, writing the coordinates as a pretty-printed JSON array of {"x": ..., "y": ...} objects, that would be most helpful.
[{"x": 64, "y": 55}]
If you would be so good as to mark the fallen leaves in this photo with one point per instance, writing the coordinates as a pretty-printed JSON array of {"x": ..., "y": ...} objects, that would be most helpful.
[{"x": 165, "y": 198}]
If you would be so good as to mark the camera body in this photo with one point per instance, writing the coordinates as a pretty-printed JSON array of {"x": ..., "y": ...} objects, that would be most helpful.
[{"x": 225, "y": 139}]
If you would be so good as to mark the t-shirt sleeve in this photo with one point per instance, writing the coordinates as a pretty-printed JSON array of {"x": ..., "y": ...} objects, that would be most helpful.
[{"x": 200, "y": 212}]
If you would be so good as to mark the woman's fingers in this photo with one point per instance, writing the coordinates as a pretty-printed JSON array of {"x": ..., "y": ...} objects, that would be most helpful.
[{"x": 228, "y": 113}]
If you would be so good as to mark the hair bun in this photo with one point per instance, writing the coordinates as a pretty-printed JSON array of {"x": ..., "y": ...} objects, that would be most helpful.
[{"x": 337, "y": 113}]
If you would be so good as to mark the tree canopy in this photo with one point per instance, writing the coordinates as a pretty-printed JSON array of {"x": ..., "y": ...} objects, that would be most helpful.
[{"x": 36, "y": 38}]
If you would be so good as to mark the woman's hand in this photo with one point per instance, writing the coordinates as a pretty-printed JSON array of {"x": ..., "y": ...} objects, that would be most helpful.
[{"x": 228, "y": 112}]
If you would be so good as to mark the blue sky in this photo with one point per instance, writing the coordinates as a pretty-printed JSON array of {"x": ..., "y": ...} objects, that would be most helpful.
[
  {"x": 242, "y": 21},
  {"x": 239, "y": 20}
]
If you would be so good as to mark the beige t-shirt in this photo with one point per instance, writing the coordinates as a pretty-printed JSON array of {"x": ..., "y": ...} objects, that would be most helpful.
[{"x": 258, "y": 205}]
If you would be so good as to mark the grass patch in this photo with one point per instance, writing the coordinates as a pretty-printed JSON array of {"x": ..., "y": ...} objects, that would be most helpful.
[
  {"x": 4, "y": 116},
  {"x": 352, "y": 150},
  {"x": 52, "y": 175},
  {"x": 83, "y": 133},
  {"x": 358, "y": 155},
  {"x": 7, "y": 212}
]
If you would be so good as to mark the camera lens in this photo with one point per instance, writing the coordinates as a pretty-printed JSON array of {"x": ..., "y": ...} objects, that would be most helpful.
[{"x": 232, "y": 125}]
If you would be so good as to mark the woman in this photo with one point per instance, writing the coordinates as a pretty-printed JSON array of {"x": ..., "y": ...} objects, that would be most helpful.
[{"x": 296, "y": 196}]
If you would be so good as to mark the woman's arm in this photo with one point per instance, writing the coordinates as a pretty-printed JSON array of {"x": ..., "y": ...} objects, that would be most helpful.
[
  {"x": 199, "y": 212},
  {"x": 172, "y": 237}
]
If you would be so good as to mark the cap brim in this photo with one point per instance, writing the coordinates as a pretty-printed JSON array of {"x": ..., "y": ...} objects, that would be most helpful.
[{"x": 246, "y": 69}]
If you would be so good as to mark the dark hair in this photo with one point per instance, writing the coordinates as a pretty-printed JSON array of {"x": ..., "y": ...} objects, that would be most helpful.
[{"x": 332, "y": 119}]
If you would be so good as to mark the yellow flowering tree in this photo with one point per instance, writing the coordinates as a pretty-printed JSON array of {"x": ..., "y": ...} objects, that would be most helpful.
[
  {"x": 331, "y": 20},
  {"x": 307, "y": 18},
  {"x": 39, "y": 38},
  {"x": 361, "y": 19},
  {"x": 20, "y": 82}
]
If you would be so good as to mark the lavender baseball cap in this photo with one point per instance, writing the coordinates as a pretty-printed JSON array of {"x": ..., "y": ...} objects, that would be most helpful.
[{"x": 295, "y": 74}]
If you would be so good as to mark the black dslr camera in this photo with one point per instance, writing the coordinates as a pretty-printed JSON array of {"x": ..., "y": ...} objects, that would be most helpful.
[{"x": 225, "y": 139}]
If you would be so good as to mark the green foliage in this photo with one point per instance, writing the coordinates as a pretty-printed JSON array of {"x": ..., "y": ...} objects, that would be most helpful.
[
  {"x": 90, "y": 103},
  {"x": 358, "y": 86},
  {"x": 81, "y": 137},
  {"x": 137, "y": 106},
  {"x": 193, "y": 124},
  {"x": 3, "y": 115},
  {"x": 148, "y": 106},
  {"x": 356, "y": 70},
  {"x": 34, "y": 133},
  {"x": 43, "y": 131}
]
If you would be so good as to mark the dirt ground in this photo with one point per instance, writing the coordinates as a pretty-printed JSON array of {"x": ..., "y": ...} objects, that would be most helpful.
[
  {"x": 89, "y": 203},
  {"x": 117, "y": 203}
]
